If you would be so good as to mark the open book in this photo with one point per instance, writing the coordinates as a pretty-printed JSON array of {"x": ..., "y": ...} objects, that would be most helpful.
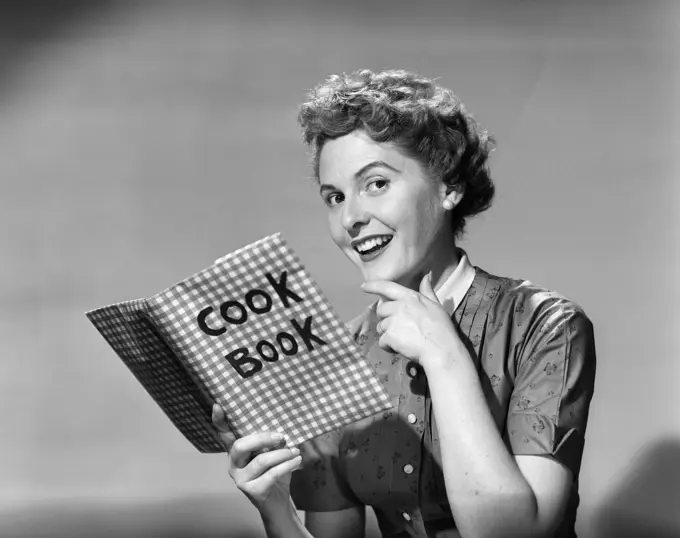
[{"x": 253, "y": 333}]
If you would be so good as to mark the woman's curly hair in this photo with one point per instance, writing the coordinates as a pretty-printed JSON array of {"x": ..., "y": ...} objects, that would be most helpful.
[{"x": 425, "y": 121}]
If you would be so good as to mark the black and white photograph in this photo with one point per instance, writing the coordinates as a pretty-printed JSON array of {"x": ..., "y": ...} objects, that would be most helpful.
[{"x": 339, "y": 269}]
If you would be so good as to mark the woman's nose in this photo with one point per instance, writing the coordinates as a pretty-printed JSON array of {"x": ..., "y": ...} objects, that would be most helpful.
[{"x": 354, "y": 215}]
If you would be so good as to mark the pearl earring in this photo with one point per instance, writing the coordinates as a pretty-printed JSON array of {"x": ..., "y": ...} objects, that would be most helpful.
[{"x": 448, "y": 205}]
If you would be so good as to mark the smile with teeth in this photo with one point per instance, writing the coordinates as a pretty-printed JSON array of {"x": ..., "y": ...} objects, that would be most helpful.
[{"x": 373, "y": 244}]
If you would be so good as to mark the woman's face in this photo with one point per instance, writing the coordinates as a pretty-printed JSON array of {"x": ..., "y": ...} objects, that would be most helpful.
[{"x": 384, "y": 213}]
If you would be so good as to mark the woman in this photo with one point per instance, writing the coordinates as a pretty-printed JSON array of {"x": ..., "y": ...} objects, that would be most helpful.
[{"x": 491, "y": 378}]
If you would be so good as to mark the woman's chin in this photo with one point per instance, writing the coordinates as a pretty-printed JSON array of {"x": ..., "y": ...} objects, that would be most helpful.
[
  {"x": 373, "y": 276},
  {"x": 391, "y": 276}
]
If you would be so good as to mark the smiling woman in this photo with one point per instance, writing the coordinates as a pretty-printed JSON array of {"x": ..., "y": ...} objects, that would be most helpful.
[
  {"x": 491, "y": 378},
  {"x": 396, "y": 149}
]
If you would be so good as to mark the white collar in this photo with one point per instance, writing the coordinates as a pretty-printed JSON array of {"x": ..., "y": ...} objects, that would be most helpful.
[{"x": 454, "y": 288}]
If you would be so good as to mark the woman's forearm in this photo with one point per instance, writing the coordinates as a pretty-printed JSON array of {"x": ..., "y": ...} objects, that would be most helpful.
[
  {"x": 284, "y": 522},
  {"x": 488, "y": 494}
]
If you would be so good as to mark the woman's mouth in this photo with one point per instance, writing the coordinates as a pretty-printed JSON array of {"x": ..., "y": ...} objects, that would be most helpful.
[{"x": 373, "y": 247}]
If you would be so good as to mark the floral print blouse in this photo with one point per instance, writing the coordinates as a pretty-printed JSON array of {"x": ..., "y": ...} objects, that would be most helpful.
[{"x": 535, "y": 353}]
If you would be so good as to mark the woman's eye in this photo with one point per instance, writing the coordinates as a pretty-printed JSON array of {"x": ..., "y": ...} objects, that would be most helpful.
[
  {"x": 376, "y": 185},
  {"x": 333, "y": 199}
]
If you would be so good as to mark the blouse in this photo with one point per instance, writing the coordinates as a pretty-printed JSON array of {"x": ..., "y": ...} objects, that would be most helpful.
[{"x": 535, "y": 353}]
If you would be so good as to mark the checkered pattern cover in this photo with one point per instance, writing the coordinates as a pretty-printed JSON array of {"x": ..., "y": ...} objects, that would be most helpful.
[{"x": 260, "y": 303}]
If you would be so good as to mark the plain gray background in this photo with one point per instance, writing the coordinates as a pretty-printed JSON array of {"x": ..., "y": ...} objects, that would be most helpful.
[{"x": 139, "y": 141}]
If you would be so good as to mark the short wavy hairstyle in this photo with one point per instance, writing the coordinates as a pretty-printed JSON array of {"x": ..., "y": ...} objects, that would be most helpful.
[{"x": 423, "y": 120}]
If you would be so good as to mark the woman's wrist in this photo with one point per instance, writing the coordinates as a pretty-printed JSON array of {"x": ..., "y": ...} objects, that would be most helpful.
[
  {"x": 454, "y": 356},
  {"x": 275, "y": 510},
  {"x": 282, "y": 521}
]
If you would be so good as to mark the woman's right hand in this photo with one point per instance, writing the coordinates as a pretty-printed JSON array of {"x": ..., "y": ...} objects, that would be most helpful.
[{"x": 258, "y": 464}]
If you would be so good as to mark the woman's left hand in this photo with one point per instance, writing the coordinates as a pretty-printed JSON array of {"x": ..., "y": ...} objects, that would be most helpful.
[{"x": 413, "y": 323}]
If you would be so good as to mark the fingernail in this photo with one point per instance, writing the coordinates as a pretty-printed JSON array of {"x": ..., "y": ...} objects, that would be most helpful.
[
  {"x": 277, "y": 436},
  {"x": 295, "y": 451}
]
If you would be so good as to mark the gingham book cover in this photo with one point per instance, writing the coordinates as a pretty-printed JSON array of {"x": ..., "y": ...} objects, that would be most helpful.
[{"x": 254, "y": 333}]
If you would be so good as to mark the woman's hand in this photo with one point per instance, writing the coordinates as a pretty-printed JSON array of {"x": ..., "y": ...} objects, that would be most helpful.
[
  {"x": 413, "y": 323},
  {"x": 259, "y": 468}
]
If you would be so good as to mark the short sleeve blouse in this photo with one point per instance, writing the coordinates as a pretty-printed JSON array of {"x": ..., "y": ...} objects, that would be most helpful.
[{"x": 535, "y": 353}]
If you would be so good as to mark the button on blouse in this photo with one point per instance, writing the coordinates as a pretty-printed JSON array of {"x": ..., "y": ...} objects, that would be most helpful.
[{"x": 412, "y": 371}]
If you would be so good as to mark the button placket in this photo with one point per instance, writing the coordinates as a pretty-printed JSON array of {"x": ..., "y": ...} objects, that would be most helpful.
[{"x": 407, "y": 460}]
